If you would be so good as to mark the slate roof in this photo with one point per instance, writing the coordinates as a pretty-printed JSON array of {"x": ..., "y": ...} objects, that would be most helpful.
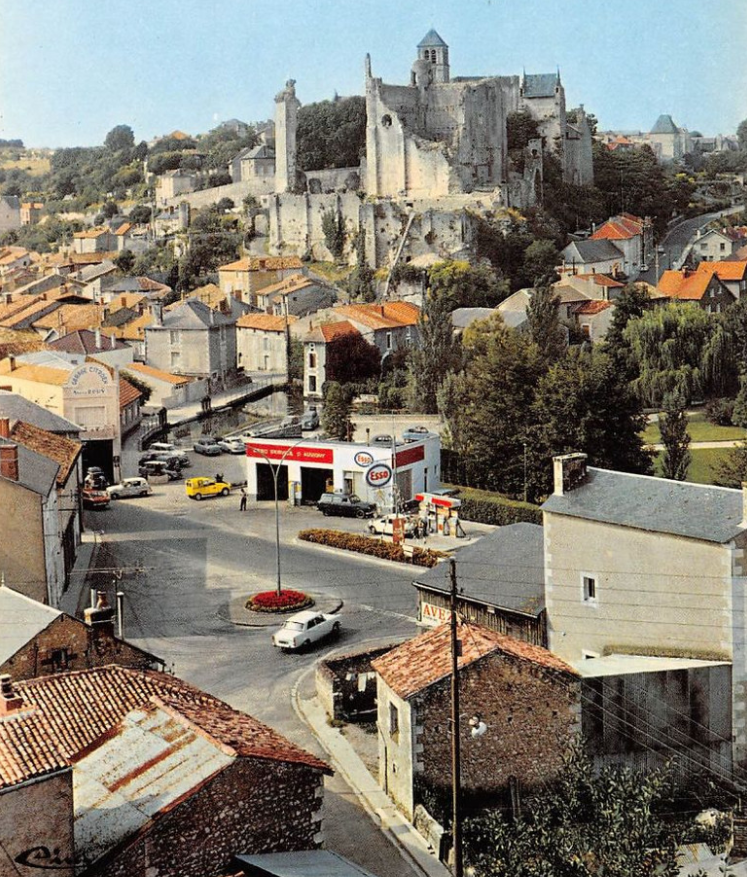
[
  {"x": 15, "y": 407},
  {"x": 656, "y": 505},
  {"x": 432, "y": 41},
  {"x": 82, "y": 705},
  {"x": 193, "y": 314},
  {"x": 505, "y": 569},
  {"x": 306, "y": 863},
  {"x": 426, "y": 659},
  {"x": 664, "y": 125},
  {"x": 22, "y": 620},
  {"x": 83, "y": 341},
  {"x": 591, "y": 251},
  {"x": 36, "y": 472},
  {"x": 463, "y": 317},
  {"x": 64, "y": 451},
  {"x": 540, "y": 84},
  {"x": 309, "y": 300}
]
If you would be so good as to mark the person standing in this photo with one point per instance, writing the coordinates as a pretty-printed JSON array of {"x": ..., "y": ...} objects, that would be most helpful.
[{"x": 242, "y": 504}]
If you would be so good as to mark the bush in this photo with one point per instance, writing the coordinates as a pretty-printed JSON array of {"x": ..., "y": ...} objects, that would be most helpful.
[
  {"x": 271, "y": 601},
  {"x": 484, "y": 507},
  {"x": 720, "y": 411},
  {"x": 375, "y": 547}
]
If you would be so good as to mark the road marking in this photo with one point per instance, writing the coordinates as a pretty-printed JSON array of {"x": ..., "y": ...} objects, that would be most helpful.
[{"x": 366, "y": 608}]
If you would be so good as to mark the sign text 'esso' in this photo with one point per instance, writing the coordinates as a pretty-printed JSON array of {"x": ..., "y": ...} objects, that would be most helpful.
[{"x": 379, "y": 475}]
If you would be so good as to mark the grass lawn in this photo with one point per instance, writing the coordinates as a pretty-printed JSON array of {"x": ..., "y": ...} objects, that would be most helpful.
[
  {"x": 704, "y": 462},
  {"x": 35, "y": 166},
  {"x": 700, "y": 429}
]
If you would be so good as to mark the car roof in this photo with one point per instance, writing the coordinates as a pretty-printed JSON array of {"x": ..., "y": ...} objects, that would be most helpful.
[{"x": 304, "y": 615}]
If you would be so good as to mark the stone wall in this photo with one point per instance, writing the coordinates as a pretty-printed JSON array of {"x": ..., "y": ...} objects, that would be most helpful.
[
  {"x": 346, "y": 686},
  {"x": 334, "y": 179},
  {"x": 250, "y": 807},
  {"x": 70, "y": 644},
  {"x": 205, "y": 197}
]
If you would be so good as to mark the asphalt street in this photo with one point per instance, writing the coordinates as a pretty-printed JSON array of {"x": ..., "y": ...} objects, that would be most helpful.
[{"x": 180, "y": 563}]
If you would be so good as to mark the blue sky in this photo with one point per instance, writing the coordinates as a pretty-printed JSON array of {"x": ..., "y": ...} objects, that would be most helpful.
[{"x": 72, "y": 69}]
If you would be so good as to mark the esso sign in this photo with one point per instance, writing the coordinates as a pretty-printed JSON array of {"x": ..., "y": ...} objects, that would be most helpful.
[
  {"x": 363, "y": 459},
  {"x": 379, "y": 475}
]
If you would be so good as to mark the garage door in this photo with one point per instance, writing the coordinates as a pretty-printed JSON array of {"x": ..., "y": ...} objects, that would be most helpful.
[
  {"x": 314, "y": 483},
  {"x": 266, "y": 484}
]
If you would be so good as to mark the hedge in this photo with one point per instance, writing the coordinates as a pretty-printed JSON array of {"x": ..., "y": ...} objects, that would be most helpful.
[
  {"x": 484, "y": 507},
  {"x": 375, "y": 547}
]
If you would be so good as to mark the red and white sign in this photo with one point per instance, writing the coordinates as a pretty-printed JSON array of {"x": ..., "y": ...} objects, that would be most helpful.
[
  {"x": 363, "y": 459},
  {"x": 410, "y": 455},
  {"x": 430, "y": 614},
  {"x": 299, "y": 455},
  {"x": 444, "y": 502},
  {"x": 379, "y": 475}
]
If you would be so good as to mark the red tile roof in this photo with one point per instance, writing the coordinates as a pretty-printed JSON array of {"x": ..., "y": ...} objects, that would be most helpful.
[
  {"x": 333, "y": 331},
  {"x": 686, "y": 286},
  {"x": 128, "y": 393},
  {"x": 79, "y": 707},
  {"x": 389, "y": 315},
  {"x": 619, "y": 228},
  {"x": 591, "y": 307},
  {"x": 418, "y": 663},
  {"x": 602, "y": 280},
  {"x": 62, "y": 450},
  {"x": 736, "y": 270},
  {"x": 27, "y": 748},
  {"x": 264, "y": 322}
]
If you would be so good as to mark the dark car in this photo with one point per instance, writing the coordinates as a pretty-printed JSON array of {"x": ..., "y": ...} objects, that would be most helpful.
[
  {"x": 172, "y": 461},
  {"x": 159, "y": 467},
  {"x": 95, "y": 478},
  {"x": 346, "y": 505}
]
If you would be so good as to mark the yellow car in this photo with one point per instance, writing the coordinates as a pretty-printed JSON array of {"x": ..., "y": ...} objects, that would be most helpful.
[{"x": 197, "y": 488}]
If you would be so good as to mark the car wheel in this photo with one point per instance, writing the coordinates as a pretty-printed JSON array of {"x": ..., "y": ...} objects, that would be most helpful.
[
  {"x": 198, "y": 496},
  {"x": 325, "y": 512},
  {"x": 306, "y": 644},
  {"x": 224, "y": 492},
  {"x": 359, "y": 513},
  {"x": 336, "y": 628},
  {"x": 143, "y": 493},
  {"x": 115, "y": 496}
]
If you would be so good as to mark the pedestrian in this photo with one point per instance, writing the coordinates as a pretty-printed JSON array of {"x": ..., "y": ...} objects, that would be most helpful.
[{"x": 242, "y": 504}]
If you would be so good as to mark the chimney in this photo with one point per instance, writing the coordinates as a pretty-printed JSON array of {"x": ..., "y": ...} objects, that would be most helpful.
[
  {"x": 123, "y": 301},
  {"x": 100, "y": 618},
  {"x": 9, "y": 461},
  {"x": 4, "y": 427},
  {"x": 10, "y": 701},
  {"x": 11, "y": 363},
  {"x": 157, "y": 311},
  {"x": 569, "y": 472},
  {"x": 97, "y": 336}
]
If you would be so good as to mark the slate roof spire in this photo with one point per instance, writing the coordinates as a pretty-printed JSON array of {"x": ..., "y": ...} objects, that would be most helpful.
[{"x": 432, "y": 41}]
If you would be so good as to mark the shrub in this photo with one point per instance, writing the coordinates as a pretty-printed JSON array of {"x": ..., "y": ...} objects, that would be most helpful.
[
  {"x": 484, "y": 507},
  {"x": 375, "y": 547},
  {"x": 271, "y": 601},
  {"x": 720, "y": 411}
]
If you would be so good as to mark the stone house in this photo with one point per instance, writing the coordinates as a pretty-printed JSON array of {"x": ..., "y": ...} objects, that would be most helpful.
[
  {"x": 167, "y": 390},
  {"x": 298, "y": 295},
  {"x": 12, "y": 258},
  {"x": 173, "y": 183},
  {"x": 86, "y": 342},
  {"x": 646, "y": 566},
  {"x": 513, "y": 687},
  {"x": 633, "y": 236},
  {"x": 593, "y": 319},
  {"x": 244, "y": 277},
  {"x": 192, "y": 339},
  {"x": 316, "y": 347},
  {"x": 703, "y": 287},
  {"x": 733, "y": 275},
  {"x": 390, "y": 325},
  {"x": 591, "y": 256},
  {"x": 501, "y": 585},
  {"x": 714, "y": 244},
  {"x": 39, "y": 640},
  {"x": 668, "y": 140},
  {"x": 31, "y": 212},
  {"x": 130, "y": 405},
  {"x": 255, "y": 166},
  {"x": 10, "y": 213},
  {"x": 261, "y": 342},
  {"x": 94, "y": 240},
  {"x": 132, "y": 807}
]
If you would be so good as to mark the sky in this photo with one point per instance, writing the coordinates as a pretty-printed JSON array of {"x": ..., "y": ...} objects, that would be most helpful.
[{"x": 70, "y": 70}]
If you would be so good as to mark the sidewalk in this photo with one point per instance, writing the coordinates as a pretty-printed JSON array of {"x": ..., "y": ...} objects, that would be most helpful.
[{"x": 380, "y": 808}]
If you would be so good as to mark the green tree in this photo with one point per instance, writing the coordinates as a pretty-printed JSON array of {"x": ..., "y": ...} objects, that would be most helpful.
[
  {"x": 351, "y": 359},
  {"x": 140, "y": 214},
  {"x": 336, "y": 411},
  {"x": 545, "y": 329},
  {"x": 119, "y": 138},
  {"x": 676, "y": 439},
  {"x": 458, "y": 284},
  {"x": 139, "y": 384},
  {"x": 125, "y": 261},
  {"x": 434, "y": 356},
  {"x": 540, "y": 260},
  {"x": 589, "y": 823},
  {"x": 296, "y": 360},
  {"x": 333, "y": 227},
  {"x": 732, "y": 470},
  {"x": 331, "y": 133}
]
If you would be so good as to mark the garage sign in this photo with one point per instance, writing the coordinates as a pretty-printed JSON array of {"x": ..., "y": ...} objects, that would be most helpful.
[
  {"x": 363, "y": 459},
  {"x": 379, "y": 475}
]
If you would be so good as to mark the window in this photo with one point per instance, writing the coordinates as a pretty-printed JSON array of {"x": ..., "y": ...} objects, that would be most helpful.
[
  {"x": 312, "y": 383},
  {"x": 173, "y": 337},
  {"x": 60, "y": 660},
  {"x": 589, "y": 585},
  {"x": 722, "y": 247},
  {"x": 388, "y": 340},
  {"x": 393, "y": 721},
  {"x": 176, "y": 360}
]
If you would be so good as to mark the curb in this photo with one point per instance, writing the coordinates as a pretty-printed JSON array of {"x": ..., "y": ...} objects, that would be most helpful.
[
  {"x": 381, "y": 561},
  {"x": 239, "y": 615},
  {"x": 400, "y": 833}
]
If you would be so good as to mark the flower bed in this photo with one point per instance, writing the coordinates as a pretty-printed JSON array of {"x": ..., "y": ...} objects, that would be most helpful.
[
  {"x": 375, "y": 547},
  {"x": 285, "y": 601}
]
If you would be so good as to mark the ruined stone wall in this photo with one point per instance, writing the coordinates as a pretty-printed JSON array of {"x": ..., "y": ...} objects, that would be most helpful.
[
  {"x": 205, "y": 197},
  {"x": 295, "y": 223},
  {"x": 334, "y": 179},
  {"x": 250, "y": 807}
]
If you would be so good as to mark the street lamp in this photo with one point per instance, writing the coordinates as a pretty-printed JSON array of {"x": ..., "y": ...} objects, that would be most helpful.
[{"x": 275, "y": 469}]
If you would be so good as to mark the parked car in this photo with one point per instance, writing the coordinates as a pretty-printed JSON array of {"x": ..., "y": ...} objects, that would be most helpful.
[
  {"x": 208, "y": 446},
  {"x": 384, "y": 526},
  {"x": 233, "y": 445},
  {"x": 198, "y": 488},
  {"x": 382, "y": 439},
  {"x": 415, "y": 433},
  {"x": 95, "y": 499},
  {"x": 171, "y": 449},
  {"x": 346, "y": 505},
  {"x": 95, "y": 478},
  {"x": 172, "y": 461},
  {"x": 129, "y": 487},
  {"x": 159, "y": 467},
  {"x": 305, "y": 628},
  {"x": 309, "y": 420}
]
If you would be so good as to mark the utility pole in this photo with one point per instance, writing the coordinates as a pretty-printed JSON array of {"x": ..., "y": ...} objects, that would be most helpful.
[{"x": 456, "y": 820}]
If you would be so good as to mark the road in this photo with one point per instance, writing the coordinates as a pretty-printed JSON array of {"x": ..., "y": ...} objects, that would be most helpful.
[{"x": 180, "y": 563}]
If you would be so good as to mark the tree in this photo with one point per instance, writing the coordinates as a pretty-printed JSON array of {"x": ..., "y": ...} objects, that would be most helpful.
[
  {"x": 351, "y": 359},
  {"x": 140, "y": 214},
  {"x": 676, "y": 439},
  {"x": 336, "y": 410},
  {"x": 120, "y": 137},
  {"x": 589, "y": 823},
  {"x": 458, "y": 284},
  {"x": 435, "y": 355},
  {"x": 544, "y": 324},
  {"x": 125, "y": 261},
  {"x": 540, "y": 260},
  {"x": 110, "y": 208},
  {"x": 333, "y": 227},
  {"x": 331, "y": 134},
  {"x": 742, "y": 135},
  {"x": 296, "y": 360},
  {"x": 732, "y": 471},
  {"x": 139, "y": 384}
]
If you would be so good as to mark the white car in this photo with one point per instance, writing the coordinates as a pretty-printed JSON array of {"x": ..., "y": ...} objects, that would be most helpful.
[
  {"x": 172, "y": 450},
  {"x": 129, "y": 487},
  {"x": 233, "y": 445},
  {"x": 305, "y": 628},
  {"x": 384, "y": 526}
]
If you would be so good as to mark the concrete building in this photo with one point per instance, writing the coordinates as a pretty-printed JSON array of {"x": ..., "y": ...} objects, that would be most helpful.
[
  {"x": 156, "y": 777},
  {"x": 262, "y": 342},
  {"x": 192, "y": 339}
]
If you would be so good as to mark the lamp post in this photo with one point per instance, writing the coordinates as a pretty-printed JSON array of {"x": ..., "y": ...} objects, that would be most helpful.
[
  {"x": 456, "y": 764},
  {"x": 275, "y": 469}
]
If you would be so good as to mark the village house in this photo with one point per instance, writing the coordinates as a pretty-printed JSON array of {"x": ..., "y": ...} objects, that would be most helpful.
[
  {"x": 167, "y": 390},
  {"x": 244, "y": 277},
  {"x": 31, "y": 212},
  {"x": 10, "y": 213},
  {"x": 591, "y": 256},
  {"x": 85, "y": 342},
  {"x": 733, "y": 275},
  {"x": 702, "y": 287},
  {"x": 714, "y": 245},
  {"x": 262, "y": 342},
  {"x": 39, "y": 640},
  {"x": 87, "y": 772},
  {"x": 316, "y": 345},
  {"x": 668, "y": 140},
  {"x": 12, "y": 258},
  {"x": 172, "y": 183},
  {"x": 93, "y": 240},
  {"x": 593, "y": 319}
]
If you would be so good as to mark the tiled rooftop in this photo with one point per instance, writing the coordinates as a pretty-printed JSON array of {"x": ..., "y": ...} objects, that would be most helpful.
[{"x": 62, "y": 450}]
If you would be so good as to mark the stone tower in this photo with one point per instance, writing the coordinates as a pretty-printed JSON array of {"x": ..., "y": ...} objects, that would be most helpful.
[
  {"x": 287, "y": 106},
  {"x": 435, "y": 51}
]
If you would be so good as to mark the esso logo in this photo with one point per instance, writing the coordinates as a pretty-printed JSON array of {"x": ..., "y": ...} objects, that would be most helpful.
[
  {"x": 379, "y": 475},
  {"x": 363, "y": 459}
]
